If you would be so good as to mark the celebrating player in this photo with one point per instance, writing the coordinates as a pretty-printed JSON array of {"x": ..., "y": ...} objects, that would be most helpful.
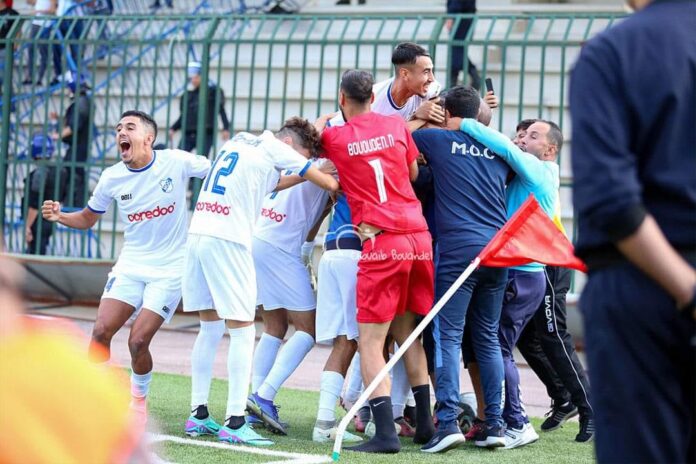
[
  {"x": 376, "y": 159},
  {"x": 150, "y": 191},
  {"x": 220, "y": 280}
]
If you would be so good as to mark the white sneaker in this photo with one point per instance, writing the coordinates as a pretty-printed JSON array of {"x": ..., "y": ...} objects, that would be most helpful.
[
  {"x": 320, "y": 435},
  {"x": 371, "y": 429},
  {"x": 514, "y": 438}
]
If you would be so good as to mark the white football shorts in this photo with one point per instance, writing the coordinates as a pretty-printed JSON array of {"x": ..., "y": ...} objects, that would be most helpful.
[
  {"x": 282, "y": 279},
  {"x": 161, "y": 296},
  {"x": 336, "y": 307},
  {"x": 219, "y": 274}
]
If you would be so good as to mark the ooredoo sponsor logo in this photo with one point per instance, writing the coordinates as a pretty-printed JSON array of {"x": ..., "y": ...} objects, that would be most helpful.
[
  {"x": 273, "y": 215},
  {"x": 155, "y": 213},
  {"x": 215, "y": 208}
]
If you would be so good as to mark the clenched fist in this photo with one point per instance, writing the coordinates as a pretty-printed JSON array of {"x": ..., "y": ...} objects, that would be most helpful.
[{"x": 50, "y": 210}]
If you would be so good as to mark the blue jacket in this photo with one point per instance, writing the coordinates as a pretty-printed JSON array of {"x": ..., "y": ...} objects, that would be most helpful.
[{"x": 633, "y": 106}]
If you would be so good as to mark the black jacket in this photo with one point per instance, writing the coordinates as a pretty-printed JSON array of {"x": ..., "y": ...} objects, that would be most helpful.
[{"x": 191, "y": 101}]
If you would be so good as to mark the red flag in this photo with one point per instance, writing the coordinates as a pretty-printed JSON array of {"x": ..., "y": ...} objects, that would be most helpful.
[{"x": 530, "y": 236}]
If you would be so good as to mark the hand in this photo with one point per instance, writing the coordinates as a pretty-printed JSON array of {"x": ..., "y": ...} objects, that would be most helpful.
[
  {"x": 327, "y": 167},
  {"x": 307, "y": 249},
  {"x": 430, "y": 110},
  {"x": 421, "y": 160},
  {"x": 321, "y": 121},
  {"x": 28, "y": 236},
  {"x": 55, "y": 135},
  {"x": 50, "y": 210},
  {"x": 491, "y": 100},
  {"x": 225, "y": 135}
]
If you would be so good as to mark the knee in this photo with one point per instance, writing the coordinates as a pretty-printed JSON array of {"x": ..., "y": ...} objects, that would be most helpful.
[
  {"x": 101, "y": 334},
  {"x": 138, "y": 344}
]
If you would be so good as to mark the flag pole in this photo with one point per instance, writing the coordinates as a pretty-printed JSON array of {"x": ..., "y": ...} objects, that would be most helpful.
[{"x": 397, "y": 355}]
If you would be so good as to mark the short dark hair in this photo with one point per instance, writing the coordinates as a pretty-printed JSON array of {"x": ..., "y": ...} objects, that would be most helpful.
[
  {"x": 524, "y": 124},
  {"x": 357, "y": 85},
  {"x": 407, "y": 53},
  {"x": 303, "y": 133},
  {"x": 555, "y": 135},
  {"x": 462, "y": 102},
  {"x": 144, "y": 118}
]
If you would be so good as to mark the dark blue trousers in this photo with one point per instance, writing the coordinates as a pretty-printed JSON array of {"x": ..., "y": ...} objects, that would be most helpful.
[
  {"x": 640, "y": 352},
  {"x": 478, "y": 301},
  {"x": 523, "y": 295}
]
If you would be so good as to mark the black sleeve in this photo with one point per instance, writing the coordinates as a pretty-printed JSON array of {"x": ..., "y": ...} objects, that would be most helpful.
[{"x": 223, "y": 113}]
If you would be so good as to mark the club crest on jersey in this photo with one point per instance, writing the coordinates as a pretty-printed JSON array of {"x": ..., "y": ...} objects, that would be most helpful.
[{"x": 167, "y": 185}]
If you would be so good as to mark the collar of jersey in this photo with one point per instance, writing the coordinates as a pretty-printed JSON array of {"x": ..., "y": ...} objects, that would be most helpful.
[
  {"x": 145, "y": 168},
  {"x": 389, "y": 97}
]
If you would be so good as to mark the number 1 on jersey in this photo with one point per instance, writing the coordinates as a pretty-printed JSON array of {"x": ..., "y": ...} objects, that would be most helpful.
[
  {"x": 231, "y": 160},
  {"x": 379, "y": 177}
]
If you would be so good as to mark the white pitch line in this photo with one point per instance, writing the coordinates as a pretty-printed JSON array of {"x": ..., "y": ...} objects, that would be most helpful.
[{"x": 293, "y": 457}]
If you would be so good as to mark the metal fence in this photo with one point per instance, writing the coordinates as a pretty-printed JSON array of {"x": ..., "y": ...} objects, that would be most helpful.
[{"x": 265, "y": 69}]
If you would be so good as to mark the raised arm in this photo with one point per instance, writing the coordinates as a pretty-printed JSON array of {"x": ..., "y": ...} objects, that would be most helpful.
[
  {"x": 527, "y": 166},
  {"x": 83, "y": 219}
]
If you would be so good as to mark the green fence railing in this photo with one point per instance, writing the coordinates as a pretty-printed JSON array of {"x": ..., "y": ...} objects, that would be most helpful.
[{"x": 266, "y": 69}]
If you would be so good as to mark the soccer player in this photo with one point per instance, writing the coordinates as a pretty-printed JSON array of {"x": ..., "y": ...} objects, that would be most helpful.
[
  {"x": 149, "y": 188},
  {"x": 284, "y": 286},
  {"x": 220, "y": 280},
  {"x": 412, "y": 95},
  {"x": 376, "y": 160},
  {"x": 469, "y": 185}
]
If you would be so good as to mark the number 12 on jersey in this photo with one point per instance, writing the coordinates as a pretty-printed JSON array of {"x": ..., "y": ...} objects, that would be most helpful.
[
  {"x": 224, "y": 171},
  {"x": 379, "y": 178}
]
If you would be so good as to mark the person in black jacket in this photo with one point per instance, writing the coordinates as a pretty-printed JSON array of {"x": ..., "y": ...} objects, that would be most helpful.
[
  {"x": 44, "y": 181},
  {"x": 190, "y": 106},
  {"x": 632, "y": 96},
  {"x": 75, "y": 134}
]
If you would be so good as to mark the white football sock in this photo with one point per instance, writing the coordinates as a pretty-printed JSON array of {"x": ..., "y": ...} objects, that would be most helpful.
[
  {"x": 331, "y": 386},
  {"x": 355, "y": 381},
  {"x": 202, "y": 359},
  {"x": 290, "y": 356},
  {"x": 239, "y": 369},
  {"x": 264, "y": 357},
  {"x": 140, "y": 384},
  {"x": 399, "y": 388}
]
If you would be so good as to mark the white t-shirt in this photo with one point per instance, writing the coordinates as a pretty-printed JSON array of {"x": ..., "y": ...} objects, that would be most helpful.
[
  {"x": 152, "y": 203},
  {"x": 384, "y": 104},
  {"x": 245, "y": 171},
  {"x": 288, "y": 215},
  {"x": 41, "y": 5}
]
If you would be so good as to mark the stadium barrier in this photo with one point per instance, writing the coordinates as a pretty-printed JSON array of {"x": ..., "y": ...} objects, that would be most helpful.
[{"x": 267, "y": 69}]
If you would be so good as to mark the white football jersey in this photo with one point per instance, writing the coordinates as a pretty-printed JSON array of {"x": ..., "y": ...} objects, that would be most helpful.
[
  {"x": 384, "y": 104},
  {"x": 244, "y": 172},
  {"x": 152, "y": 203},
  {"x": 288, "y": 215}
]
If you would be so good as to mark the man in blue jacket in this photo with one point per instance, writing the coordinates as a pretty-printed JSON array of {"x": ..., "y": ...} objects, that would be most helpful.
[{"x": 632, "y": 96}]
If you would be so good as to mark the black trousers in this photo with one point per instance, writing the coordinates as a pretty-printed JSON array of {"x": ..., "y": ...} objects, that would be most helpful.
[
  {"x": 640, "y": 351},
  {"x": 549, "y": 350},
  {"x": 188, "y": 142}
]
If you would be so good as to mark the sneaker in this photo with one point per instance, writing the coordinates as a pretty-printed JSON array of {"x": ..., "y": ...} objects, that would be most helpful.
[
  {"x": 557, "y": 416},
  {"x": 517, "y": 437},
  {"x": 405, "y": 429},
  {"x": 371, "y": 429},
  {"x": 490, "y": 436},
  {"x": 267, "y": 412},
  {"x": 587, "y": 430},
  {"x": 444, "y": 440},
  {"x": 362, "y": 418},
  {"x": 325, "y": 432},
  {"x": 254, "y": 421},
  {"x": 196, "y": 427},
  {"x": 244, "y": 435},
  {"x": 475, "y": 429}
]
